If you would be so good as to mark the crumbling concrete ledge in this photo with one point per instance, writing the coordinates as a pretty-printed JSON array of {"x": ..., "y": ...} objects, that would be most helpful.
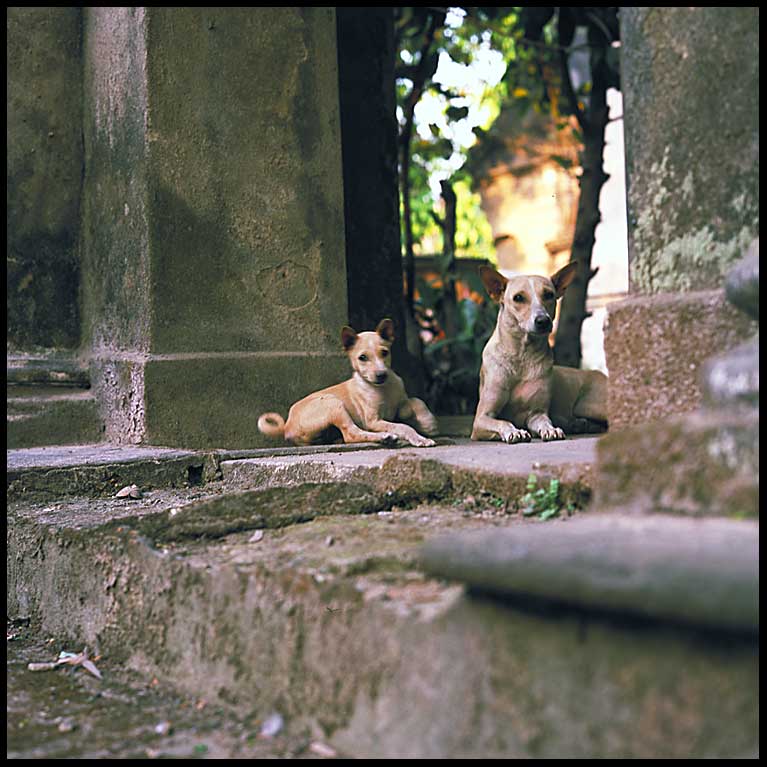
[
  {"x": 463, "y": 467},
  {"x": 331, "y": 621}
]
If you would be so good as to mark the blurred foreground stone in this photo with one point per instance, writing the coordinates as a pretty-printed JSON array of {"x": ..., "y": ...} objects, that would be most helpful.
[{"x": 694, "y": 447}]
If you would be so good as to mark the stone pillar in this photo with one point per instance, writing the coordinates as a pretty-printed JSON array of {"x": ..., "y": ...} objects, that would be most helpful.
[
  {"x": 683, "y": 393},
  {"x": 690, "y": 82},
  {"x": 213, "y": 236},
  {"x": 43, "y": 174}
]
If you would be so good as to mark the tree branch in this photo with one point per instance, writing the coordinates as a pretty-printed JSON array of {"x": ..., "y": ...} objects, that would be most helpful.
[
  {"x": 567, "y": 86},
  {"x": 440, "y": 222}
]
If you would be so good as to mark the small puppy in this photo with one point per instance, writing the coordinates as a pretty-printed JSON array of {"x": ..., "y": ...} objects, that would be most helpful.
[
  {"x": 521, "y": 391},
  {"x": 361, "y": 409}
]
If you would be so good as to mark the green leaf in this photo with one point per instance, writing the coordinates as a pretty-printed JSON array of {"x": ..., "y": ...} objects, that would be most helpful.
[
  {"x": 564, "y": 162},
  {"x": 429, "y": 294}
]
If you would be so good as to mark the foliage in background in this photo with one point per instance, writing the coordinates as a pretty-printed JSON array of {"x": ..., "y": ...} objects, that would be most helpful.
[
  {"x": 558, "y": 37},
  {"x": 437, "y": 149},
  {"x": 453, "y": 360},
  {"x": 559, "y": 61}
]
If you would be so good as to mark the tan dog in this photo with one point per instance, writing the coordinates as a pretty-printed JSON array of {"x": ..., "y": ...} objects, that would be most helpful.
[
  {"x": 521, "y": 392},
  {"x": 363, "y": 408}
]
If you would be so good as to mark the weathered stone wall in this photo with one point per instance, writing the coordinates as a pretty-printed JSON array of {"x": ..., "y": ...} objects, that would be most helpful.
[
  {"x": 215, "y": 277},
  {"x": 44, "y": 176},
  {"x": 690, "y": 81}
]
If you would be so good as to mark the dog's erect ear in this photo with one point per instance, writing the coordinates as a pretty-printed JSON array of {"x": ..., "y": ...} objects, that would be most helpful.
[
  {"x": 494, "y": 282},
  {"x": 564, "y": 277},
  {"x": 348, "y": 337},
  {"x": 385, "y": 329}
]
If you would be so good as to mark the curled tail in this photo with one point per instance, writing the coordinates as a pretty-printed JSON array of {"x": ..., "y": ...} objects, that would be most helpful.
[{"x": 272, "y": 424}]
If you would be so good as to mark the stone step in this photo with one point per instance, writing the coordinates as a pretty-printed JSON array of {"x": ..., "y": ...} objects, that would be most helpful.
[
  {"x": 98, "y": 470},
  {"x": 656, "y": 347},
  {"x": 459, "y": 465},
  {"x": 312, "y": 600},
  {"x": 702, "y": 464},
  {"x": 38, "y": 415}
]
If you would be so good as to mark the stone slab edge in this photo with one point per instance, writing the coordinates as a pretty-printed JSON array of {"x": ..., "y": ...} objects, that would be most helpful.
[
  {"x": 408, "y": 476},
  {"x": 702, "y": 572}
]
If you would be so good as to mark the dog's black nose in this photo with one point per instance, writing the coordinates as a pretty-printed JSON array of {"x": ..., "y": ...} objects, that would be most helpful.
[
  {"x": 380, "y": 377},
  {"x": 542, "y": 323}
]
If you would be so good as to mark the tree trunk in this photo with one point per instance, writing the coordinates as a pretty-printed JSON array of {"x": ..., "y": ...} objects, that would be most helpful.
[
  {"x": 449, "y": 299},
  {"x": 572, "y": 311}
]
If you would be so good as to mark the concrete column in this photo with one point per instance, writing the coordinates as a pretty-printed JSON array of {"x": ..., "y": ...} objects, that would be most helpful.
[
  {"x": 690, "y": 82},
  {"x": 213, "y": 237}
]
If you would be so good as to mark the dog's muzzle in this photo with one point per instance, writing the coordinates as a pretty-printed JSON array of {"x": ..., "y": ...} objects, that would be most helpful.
[{"x": 543, "y": 324}]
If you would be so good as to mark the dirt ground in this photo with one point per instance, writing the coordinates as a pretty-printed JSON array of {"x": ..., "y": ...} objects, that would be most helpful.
[{"x": 67, "y": 713}]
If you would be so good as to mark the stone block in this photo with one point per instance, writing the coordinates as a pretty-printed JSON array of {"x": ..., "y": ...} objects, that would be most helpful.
[
  {"x": 656, "y": 346},
  {"x": 214, "y": 264},
  {"x": 704, "y": 463},
  {"x": 216, "y": 401},
  {"x": 206, "y": 400},
  {"x": 732, "y": 379}
]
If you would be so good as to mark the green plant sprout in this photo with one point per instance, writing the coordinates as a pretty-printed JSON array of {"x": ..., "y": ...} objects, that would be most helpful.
[{"x": 543, "y": 501}]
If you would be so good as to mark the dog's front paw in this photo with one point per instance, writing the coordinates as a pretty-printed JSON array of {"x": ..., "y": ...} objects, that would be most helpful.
[
  {"x": 550, "y": 433},
  {"x": 422, "y": 442},
  {"x": 388, "y": 439},
  {"x": 511, "y": 435}
]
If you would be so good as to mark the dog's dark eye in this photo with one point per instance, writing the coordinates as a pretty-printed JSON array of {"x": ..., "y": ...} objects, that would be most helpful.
[
  {"x": 519, "y": 298},
  {"x": 384, "y": 352},
  {"x": 363, "y": 358},
  {"x": 547, "y": 295}
]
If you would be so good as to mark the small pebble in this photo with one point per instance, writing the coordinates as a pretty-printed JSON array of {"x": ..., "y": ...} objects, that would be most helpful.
[
  {"x": 129, "y": 491},
  {"x": 256, "y": 537},
  {"x": 271, "y": 726},
  {"x": 163, "y": 728},
  {"x": 66, "y": 725},
  {"x": 330, "y": 540},
  {"x": 41, "y": 666},
  {"x": 322, "y": 749}
]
